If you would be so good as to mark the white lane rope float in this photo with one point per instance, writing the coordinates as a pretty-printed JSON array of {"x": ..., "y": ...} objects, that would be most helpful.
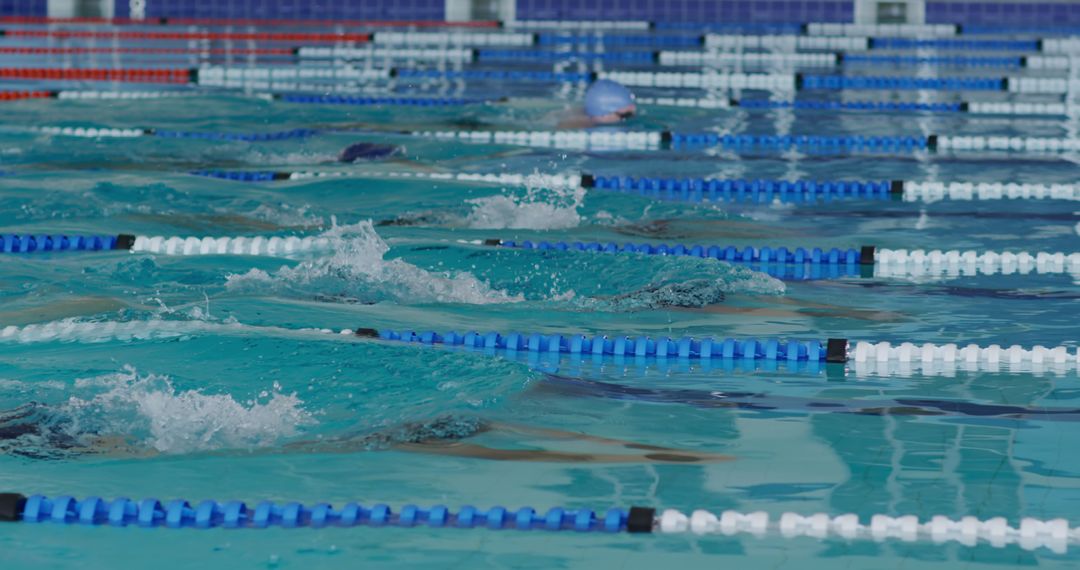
[
  {"x": 884, "y": 30},
  {"x": 479, "y": 39},
  {"x": 1031, "y": 534},
  {"x": 450, "y": 55}
]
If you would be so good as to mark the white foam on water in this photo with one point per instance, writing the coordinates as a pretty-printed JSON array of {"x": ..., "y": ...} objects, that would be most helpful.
[
  {"x": 538, "y": 209},
  {"x": 286, "y": 216},
  {"x": 170, "y": 420},
  {"x": 358, "y": 270}
]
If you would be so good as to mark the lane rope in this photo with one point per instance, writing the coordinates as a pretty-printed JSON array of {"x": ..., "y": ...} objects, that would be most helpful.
[
  {"x": 1031, "y": 533},
  {"x": 886, "y": 262},
  {"x": 834, "y": 350},
  {"x": 197, "y": 35},
  {"x": 708, "y": 189}
]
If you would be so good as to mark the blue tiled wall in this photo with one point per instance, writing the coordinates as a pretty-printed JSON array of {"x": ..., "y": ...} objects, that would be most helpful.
[
  {"x": 714, "y": 11},
  {"x": 1017, "y": 13},
  {"x": 23, "y": 7},
  {"x": 287, "y": 9}
]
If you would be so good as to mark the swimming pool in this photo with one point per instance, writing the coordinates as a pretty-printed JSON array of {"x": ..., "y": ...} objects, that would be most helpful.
[{"x": 195, "y": 370}]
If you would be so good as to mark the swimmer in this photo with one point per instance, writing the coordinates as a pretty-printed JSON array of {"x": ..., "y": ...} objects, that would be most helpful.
[
  {"x": 36, "y": 431},
  {"x": 706, "y": 296},
  {"x": 563, "y": 386},
  {"x": 358, "y": 152},
  {"x": 606, "y": 103}
]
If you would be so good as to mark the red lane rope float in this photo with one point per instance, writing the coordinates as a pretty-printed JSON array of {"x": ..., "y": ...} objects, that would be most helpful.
[
  {"x": 250, "y": 22},
  {"x": 91, "y": 74},
  {"x": 16, "y": 95},
  {"x": 27, "y": 50},
  {"x": 135, "y": 35}
]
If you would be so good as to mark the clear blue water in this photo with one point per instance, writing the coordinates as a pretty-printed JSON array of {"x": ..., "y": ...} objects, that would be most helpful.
[{"x": 226, "y": 414}]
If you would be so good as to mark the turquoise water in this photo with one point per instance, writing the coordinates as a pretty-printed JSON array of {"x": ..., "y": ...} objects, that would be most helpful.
[{"x": 232, "y": 412}]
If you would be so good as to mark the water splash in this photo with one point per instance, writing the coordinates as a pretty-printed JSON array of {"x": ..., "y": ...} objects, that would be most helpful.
[
  {"x": 156, "y": 414},
  {"x": 538, "y": 209},
  {"x": 358, "y": 271}
]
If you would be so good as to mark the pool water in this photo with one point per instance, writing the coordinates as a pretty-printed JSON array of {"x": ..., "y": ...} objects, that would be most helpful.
[{"x": 239, "y": 412}]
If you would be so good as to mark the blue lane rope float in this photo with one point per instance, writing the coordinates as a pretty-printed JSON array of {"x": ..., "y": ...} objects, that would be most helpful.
[
  {"x": 834, "y": 350},
  {"x": 888, "y": 106},
  {"x": 380, "y": 101},
  {"x": 31, "y": 243},
  {"x": 955, "y": 44},
  {"x": 811, "y": 143},
  {"x": 1030, "y": 534},
  {"x": 742, "y": 190},
  {"x": 1013, "y": 62},
  {"x": 243, "y": 175},
  {"x": 870, "y": 82},
  {"x": 177, "y": 514}
]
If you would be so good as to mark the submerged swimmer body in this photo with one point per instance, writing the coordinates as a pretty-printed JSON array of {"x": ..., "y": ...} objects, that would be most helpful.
[
  {"x": 36, "y": 431},
  {"x": 764, "y": 402},
  {"x": 367, "y": 151}
]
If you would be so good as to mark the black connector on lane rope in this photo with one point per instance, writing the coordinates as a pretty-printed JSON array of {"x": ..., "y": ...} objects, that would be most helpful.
[
  {"x": 798, "y": 82},
  {"x": 836, "y": 350},
  {"x": 493, "y": 242},
  {"x": 588, "y": 180},
  {"x": 640, "y": 519},
  {"x": 124, "y": 241},
  {"x": 931, "y": 142},
  {"x": 366, "y": 333},
  {"x": 281, "y": 176},
  {"x": 866, "y": 255},
  {"x": 11, "y": 507}
]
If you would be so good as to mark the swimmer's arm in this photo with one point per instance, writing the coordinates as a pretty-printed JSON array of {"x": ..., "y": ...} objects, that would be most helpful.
[
  {"x": 118, "y": 448},
  {"x": 473, "y": 451},
  {"x": 857, "y": 314},
  {"x": 576, "y": 436},
  {"x": 56, "y": 310}
]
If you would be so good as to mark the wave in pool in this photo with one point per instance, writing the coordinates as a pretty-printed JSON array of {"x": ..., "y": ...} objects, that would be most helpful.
[
  {"x": 358, "y": 272},
  {"x": 149, "y": 411},
  {"x": 538, "y": 209}
]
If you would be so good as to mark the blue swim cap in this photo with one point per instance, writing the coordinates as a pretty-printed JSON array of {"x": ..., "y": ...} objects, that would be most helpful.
[{"x": 605, "y": 97}]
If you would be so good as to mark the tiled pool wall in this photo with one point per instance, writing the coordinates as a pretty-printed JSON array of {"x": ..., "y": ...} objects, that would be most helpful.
[{"x": 766, "y": 11}]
